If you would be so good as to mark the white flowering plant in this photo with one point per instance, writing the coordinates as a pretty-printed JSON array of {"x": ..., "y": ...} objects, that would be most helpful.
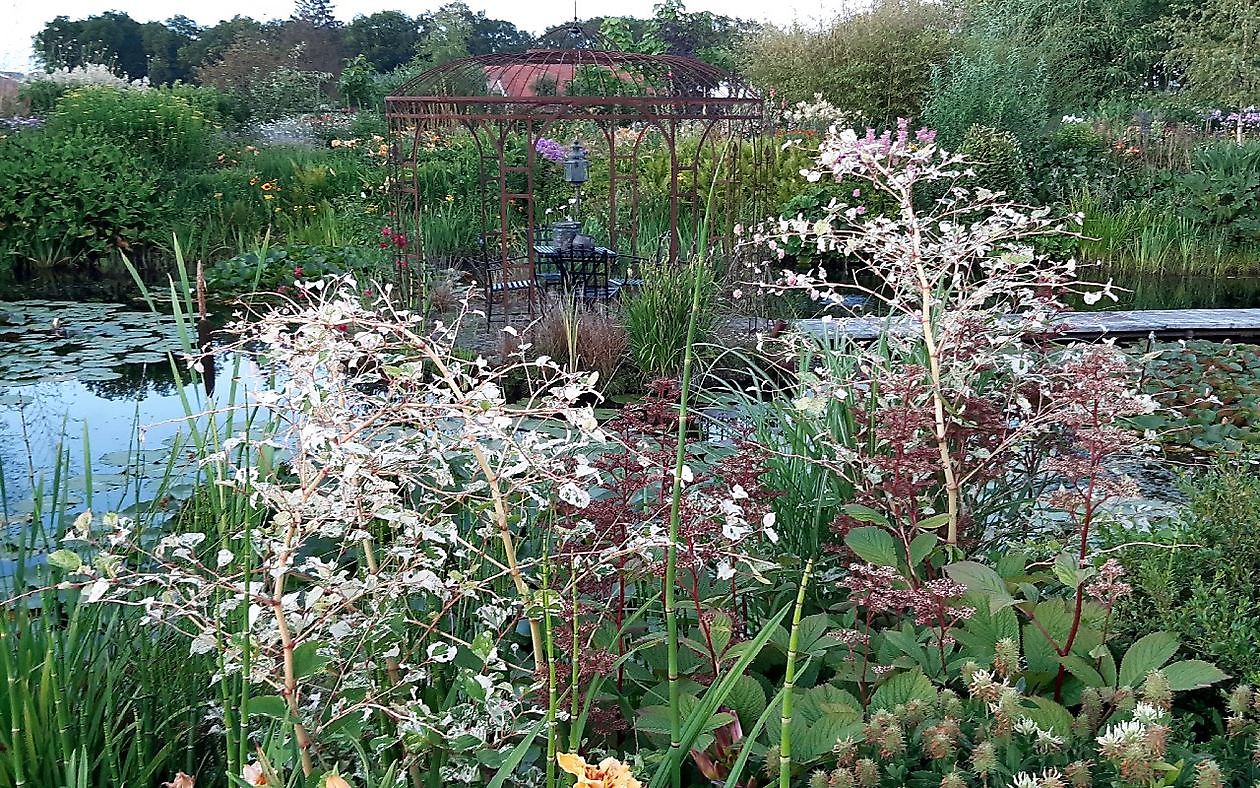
[{"x": 377, "y": 559}]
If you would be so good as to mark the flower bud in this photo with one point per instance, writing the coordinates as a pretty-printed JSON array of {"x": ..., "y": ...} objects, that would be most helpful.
[
  {"x": 1157, "y": 691},
  {"x": 1006, "y": 658},
  {"x": 984, "y": 758},
  {"x": 1208, "y": 775},
  {"x": 1240, "y": 700},
  {"x": 1078, "y": 774},
  {"x": 867, "y": 773},
  {"x": 953, "y": 780}
]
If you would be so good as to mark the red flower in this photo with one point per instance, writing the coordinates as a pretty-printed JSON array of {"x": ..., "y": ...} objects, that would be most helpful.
[
  {"x": 298, "y": 272},
  {"x": 401, "y": 240}
]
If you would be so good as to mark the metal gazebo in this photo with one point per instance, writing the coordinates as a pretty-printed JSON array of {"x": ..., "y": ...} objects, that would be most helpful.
[{"x": 695, "y": 115}]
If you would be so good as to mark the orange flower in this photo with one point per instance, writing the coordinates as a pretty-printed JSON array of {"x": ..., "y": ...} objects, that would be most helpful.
[
  {"x": 253, "y": 774},
  {"x": 253, "y": 181},
  {"x": 268, "y": 186},
  {"x": 335, "y": 781},
  {"x": 181, "y": 781},
  {"x": 610, "y": 773}
]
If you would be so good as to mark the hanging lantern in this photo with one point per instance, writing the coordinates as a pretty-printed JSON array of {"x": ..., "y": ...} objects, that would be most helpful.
[{"x": 576, "y": 165}]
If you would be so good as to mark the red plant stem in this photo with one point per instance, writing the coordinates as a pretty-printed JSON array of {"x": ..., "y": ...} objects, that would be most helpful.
[
  {"x": 1095, "y": 460},
  {"x": 695, "y": 598}
]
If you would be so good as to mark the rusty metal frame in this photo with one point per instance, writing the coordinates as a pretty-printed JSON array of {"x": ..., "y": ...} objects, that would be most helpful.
[{"x": 495, "y": 97}]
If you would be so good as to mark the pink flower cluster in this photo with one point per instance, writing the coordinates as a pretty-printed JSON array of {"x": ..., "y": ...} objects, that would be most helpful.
[
  {"x": 390, "y": 237},
  {"x": 1108, "y": 588},
  {"x": 847, "y": 152},
  {"x": 876, "y": 589}
]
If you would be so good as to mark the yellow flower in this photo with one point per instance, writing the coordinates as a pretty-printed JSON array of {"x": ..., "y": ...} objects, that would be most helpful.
[
  {"x": 610, "y": 773},
  {"x": 450, "y": 198},
  {"x": 269, "y": 196},
  {"x": 218, "y": 195}
]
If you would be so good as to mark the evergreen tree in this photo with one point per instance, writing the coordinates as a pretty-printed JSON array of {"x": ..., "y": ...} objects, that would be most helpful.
[{"x": 317, "y": 13}]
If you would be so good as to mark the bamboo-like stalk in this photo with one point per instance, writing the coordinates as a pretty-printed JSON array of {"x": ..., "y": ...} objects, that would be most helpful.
[
  {"x": 574, "y": 665},
  {"x": 552, "y": 699},
  {"x": 671, "y": 556},
  {"x": 934, "y": 371},
  {"x": 789, "y": 684},
  {"x": 509, "y": 546}
]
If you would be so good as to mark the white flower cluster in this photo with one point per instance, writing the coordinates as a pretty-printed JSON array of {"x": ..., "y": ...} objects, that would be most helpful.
[{"x": 90, "y": 75}]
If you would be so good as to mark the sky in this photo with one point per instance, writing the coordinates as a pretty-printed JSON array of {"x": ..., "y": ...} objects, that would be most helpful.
[{"x": 21, "y": 19}]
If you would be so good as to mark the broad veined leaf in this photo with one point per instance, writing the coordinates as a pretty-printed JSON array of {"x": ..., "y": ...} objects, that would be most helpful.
[
  {"x": 902, "y": 687},
  {"x": 983, "y": 580},
  {"x": 1190, "y": 674},
  {"x": 873, "y": 544},
  {"x": 1149, "y": 652}
]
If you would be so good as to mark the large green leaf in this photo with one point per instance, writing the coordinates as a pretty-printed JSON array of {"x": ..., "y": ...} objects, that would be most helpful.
[
  {"x": 902, "y": 687},
  {"x": 1148, "y": 653},
  {"x": 982, "y": 580},
  {"x": 873, "y": 544},
  {"x": 747, "y": 700},
  {"x": 1050, "y": 716},
  {"x": 980, "y": 634},
  {"x": 1190, "y": 674}
]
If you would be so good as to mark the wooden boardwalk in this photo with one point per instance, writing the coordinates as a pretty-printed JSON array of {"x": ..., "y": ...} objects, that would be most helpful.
[{"x": 1238, "y": 324}]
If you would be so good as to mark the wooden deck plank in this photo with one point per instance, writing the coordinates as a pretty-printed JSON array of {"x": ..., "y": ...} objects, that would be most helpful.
[{"x": 1162, "y": 323}]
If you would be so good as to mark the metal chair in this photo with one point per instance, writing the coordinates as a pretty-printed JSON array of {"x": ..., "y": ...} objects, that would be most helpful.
[
  {"x": 586, "y": 275},
  {"x": 501, "y": 280}
]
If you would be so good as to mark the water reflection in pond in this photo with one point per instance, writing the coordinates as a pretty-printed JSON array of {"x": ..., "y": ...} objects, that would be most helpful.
[{"x": 102, "y": 370}]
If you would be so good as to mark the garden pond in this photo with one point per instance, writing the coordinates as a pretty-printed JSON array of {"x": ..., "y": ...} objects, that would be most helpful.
[{"x": 91, "y": 406}]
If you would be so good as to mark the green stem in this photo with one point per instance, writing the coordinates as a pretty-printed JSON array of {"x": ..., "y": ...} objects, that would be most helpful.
[
  {"x": 552, "y": 700},
  {"x": 789, "y": 684},
  {"x": 671, "y": 558},
  {"x": 574, "y": 665}
]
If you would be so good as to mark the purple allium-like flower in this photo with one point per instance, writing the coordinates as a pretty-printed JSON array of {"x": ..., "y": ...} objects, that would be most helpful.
[{"x": 550, "y": 149}]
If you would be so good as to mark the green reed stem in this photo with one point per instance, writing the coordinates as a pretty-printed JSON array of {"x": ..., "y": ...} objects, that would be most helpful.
[
  {"x": 671, "y": 558},
  {"x": 789, "y": 684}
]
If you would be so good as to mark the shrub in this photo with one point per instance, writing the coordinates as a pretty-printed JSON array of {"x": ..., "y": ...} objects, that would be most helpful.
[
  {"x": 999, "y": 160},
  {"x": 1222, "y": 190},
  {"x": 160, "y": 126},
  {"x": 218, "y": 107},
  {"x": 1198, "y": 578},
  {"x": 875, "y": 63},
  {"x": 279, "y": 267},
  {"x": 980, "y": 86},
  {"x": 73, "y": 196},
  {"x": 43, "y": 91},
  {"x": 657, "y": 316},
  {"x": 585, "y": 339}
]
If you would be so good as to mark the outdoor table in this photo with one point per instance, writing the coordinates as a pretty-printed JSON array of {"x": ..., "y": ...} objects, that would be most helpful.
[{"x": 555, "y": 256}]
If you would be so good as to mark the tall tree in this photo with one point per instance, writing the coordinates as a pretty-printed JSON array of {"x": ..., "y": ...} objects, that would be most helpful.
[
  {"x": 1216, "y": 47},
  {"x": 387, "y": 38},
  {"x": 876, "y": 62},
  {"x": 162, "y": 44},
  {"x": 113, "y": 39},
  {"x": 317, "y": 13},
  {"x": 211, "y": 43},
  {"x": 446, "y": 34}
]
